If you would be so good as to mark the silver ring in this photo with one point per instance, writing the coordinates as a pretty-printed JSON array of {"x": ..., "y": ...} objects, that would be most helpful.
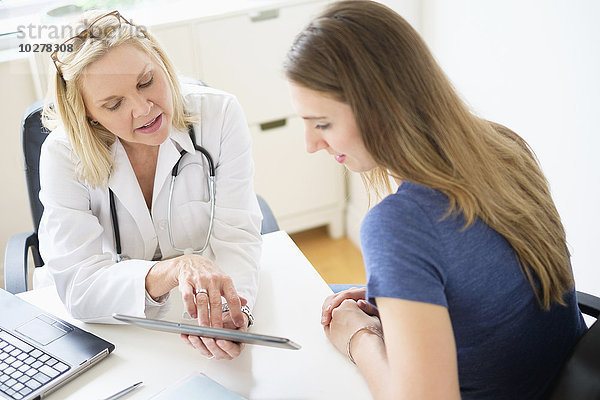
[{"x": 198, "y": 291}]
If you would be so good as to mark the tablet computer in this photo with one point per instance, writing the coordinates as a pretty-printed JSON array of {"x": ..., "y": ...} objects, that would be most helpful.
[{"x": 210, "y": 332}]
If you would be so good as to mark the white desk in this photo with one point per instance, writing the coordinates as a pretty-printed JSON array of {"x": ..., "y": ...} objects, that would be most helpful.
[{"x": 288, "y": 304}]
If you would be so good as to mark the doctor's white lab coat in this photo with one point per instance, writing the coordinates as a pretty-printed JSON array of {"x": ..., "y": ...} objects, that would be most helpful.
[{"x": 76, "y": 235}]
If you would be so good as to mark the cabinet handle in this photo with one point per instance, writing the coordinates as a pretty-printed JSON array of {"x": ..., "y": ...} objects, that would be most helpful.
[
  {"x": 264, "y": 15},
  {"x": 278, "y": 123}
]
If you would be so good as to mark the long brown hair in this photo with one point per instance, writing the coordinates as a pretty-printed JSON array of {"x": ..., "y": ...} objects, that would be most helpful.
[{"x": 417, "y": 129}]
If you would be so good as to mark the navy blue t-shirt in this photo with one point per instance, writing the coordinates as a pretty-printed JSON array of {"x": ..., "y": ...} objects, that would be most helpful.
[{"x": 507, "y": 346}]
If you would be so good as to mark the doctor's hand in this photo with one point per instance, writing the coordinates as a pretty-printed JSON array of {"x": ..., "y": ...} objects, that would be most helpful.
[
  {"x": 218, "y": 348},
  {"x": 334, "y": 301},
  {"x": 201, "y": 284}
]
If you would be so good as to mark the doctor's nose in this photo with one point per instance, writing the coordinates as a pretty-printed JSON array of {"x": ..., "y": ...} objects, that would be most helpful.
[
  {"x": 314, "y": 141},
  {"x": 141, "y": 106}
]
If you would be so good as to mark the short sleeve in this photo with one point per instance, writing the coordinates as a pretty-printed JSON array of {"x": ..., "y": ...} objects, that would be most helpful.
[{"x": 402, "y": 252}]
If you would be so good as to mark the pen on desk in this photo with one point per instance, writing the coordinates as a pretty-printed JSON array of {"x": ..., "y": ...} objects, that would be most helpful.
[{"x": 123, "y": 392}]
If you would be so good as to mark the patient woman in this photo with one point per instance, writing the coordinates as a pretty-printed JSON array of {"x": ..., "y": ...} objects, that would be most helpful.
[
  {"x": 467, "y": 262},
  {"x": 120, "y": 122}
]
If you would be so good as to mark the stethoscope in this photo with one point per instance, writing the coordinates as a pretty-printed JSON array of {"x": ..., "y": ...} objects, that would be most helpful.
[{"x": 174, "y": 173}]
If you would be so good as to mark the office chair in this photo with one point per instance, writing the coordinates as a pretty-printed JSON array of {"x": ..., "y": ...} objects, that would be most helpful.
[
  {"x": 579, "y": 377},
  {"x": 33, "y": 134}
]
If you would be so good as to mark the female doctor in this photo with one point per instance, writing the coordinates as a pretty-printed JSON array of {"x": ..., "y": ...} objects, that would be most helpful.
[{"x": 117, "y": 234}]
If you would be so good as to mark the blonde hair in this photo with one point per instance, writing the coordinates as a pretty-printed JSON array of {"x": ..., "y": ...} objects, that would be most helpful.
[
  {"x": 64, "y": 104},
  {"x": 418, "y": 129}
]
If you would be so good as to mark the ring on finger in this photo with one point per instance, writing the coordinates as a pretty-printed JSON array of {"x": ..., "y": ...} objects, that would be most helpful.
[{"x": 198, "y": 291}]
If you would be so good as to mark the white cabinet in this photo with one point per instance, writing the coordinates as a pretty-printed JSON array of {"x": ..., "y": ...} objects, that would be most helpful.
[
  {"x": 244, "y": 56},
  {"x": 242, "y": 52},
  {"x": 177, "y": 40},
  {"x": 304, "y": 190}
]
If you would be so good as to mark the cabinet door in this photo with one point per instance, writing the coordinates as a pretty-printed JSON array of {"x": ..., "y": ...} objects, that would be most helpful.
[
  {"x": 304, "y": 190},
  {"x": 243, "y": 54},
  {"x": 177, "y": 41}
]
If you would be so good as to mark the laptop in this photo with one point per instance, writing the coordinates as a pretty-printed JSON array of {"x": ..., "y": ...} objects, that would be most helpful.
[{"x": 40, "y": 352}]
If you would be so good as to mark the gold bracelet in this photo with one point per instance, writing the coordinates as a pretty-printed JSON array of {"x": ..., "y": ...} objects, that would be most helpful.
[{"x": 371, "y": 328}]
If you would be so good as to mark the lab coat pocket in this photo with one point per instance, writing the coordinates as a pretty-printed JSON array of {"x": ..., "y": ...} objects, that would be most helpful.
[{"x": 190, "y": 224}]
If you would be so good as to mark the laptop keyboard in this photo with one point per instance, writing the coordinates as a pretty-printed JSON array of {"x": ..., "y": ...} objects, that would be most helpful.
[{"x": 24, "y": 368}]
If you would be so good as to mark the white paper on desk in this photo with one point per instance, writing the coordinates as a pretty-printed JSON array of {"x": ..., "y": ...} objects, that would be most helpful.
[{"x": 195, "y": 385}]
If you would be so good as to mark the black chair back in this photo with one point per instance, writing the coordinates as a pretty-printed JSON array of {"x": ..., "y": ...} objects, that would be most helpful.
[
  {"x": 33, "y": 134},
  {"x": 579, "y": 377}
]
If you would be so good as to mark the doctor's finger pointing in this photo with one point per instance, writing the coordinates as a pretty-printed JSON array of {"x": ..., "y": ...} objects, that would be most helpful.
[
  {"x": 202, "y": 306},
  {"x": 189, "y": 299},
  {"x": 202, "y": 284}
]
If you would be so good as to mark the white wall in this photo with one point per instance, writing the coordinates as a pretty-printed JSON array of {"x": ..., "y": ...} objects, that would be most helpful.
[
  {"x": 534, "y": 66},
  {"x": 16, "y": 94}
]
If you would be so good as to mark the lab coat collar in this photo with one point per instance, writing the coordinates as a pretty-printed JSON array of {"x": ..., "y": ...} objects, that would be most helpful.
[
  {"x": 168, "y": 154},
  {"x": 122, "y": 180},
  {"x": 183, "y": 139},
  {"x": 122, "y": 174},
  {"x": 124, "y": 184}
]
